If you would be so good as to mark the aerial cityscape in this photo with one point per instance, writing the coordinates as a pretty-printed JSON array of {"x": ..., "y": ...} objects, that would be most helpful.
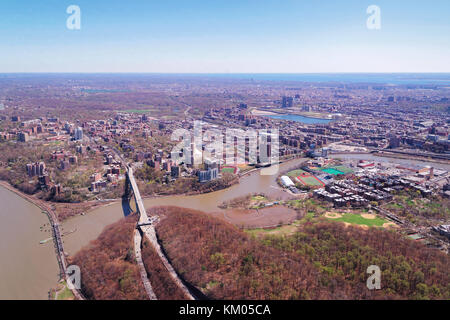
[{"x": 197, "y": 182}]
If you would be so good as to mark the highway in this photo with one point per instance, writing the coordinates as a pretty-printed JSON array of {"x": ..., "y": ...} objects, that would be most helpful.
[
  {"x": 143, "y": 218},
  {"x": 137, "y": 252},
  {"x": 146, "y": 225}
]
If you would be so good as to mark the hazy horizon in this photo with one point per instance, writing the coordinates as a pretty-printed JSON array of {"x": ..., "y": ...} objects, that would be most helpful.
[{"x": 359, "y": 77}]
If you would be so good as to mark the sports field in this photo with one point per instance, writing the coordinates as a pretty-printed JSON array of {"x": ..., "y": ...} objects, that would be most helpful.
[
  {"x": 296, "y": 173},
  {"x": 229, "y": 169},
  {"x": 343, "y": 169},
  {"x": 358, "y": 219},
  {"x": 310, "y": 181},
  {"x": 305, "y": 178},
  {"x": 337, "y": 170},
  {"x": 332, "y": 171}
]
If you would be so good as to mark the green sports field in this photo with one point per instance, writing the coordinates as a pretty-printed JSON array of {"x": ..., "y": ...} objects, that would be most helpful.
[
  {"x": 343, "y": 169},
  {"x": 230, "y": 170},
  {"x": 311, "y": 181},
  {"x": 337, "y": 170},
  {"x": 296, "y": 173},
  {"x": 332, "y": 171},
  {"x": 358, "y": 219}
]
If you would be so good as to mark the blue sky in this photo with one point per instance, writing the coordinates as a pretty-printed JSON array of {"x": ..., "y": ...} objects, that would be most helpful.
[{"x": 217, "y": 36}]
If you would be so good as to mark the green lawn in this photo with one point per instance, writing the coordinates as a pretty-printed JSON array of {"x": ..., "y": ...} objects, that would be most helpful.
[
  {"x": 258, "y": 198},
  {"x": 358, "y": 219},
  {"x": 295, "y": 173},
  {"x": 278, "y": 231},
  {"x": 343, "y": 169},
  {"x": 394, "y": 206},
  {"x": 65, "y": 294}
]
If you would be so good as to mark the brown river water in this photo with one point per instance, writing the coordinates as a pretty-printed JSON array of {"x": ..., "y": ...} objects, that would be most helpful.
[
  {"x": 90, "y": 225},
  {"x": 27, "y": 269}
]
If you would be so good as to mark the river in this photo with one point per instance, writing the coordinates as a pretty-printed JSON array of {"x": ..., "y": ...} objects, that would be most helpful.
[
  {"x": 91, "y": 225},
  {"x": 27, "y": 269}
]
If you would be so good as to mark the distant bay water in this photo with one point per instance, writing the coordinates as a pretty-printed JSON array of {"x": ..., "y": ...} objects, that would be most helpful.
[
  {"x": 381, "y": 78},
  {"x": 375, "y": 78},
  {"x": 298, "y": 118}
]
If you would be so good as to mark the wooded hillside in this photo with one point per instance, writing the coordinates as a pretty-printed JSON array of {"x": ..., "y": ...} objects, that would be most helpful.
[
  {"x": 108, "y": 268},
  {"x": 323, "y": 260}
]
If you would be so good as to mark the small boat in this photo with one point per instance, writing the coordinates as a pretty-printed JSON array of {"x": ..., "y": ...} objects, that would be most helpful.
[
  {"x": 45, "y": 241},
  {"x": 69, "y": 232}
]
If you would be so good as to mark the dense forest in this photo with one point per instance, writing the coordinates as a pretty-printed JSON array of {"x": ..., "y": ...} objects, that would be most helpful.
[
  {"x": 224, "y": 263},
  {"x": 108, "y": 268},
  {"x": 409, "y": 269},
  {"x": 162, "y": 284},
  {"x": 323, "y": 260}
]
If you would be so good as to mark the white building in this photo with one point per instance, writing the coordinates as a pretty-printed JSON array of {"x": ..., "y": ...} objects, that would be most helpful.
[
  {"x": 78, "y": 133},
  {"x": 287, "y": 182}
]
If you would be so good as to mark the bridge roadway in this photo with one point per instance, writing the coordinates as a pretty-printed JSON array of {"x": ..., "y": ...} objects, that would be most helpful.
[
  {"x": 143, "y": 218},
  {"x": 146, "y": 226},
  {"x": 137, "y": 252}
]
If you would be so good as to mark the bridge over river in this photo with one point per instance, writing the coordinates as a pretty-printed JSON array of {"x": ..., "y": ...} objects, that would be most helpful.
[{"x": 146, "y": 228}]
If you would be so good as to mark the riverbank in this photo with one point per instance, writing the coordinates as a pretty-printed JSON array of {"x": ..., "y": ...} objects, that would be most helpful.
[{"x": 62, "y": 210}]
